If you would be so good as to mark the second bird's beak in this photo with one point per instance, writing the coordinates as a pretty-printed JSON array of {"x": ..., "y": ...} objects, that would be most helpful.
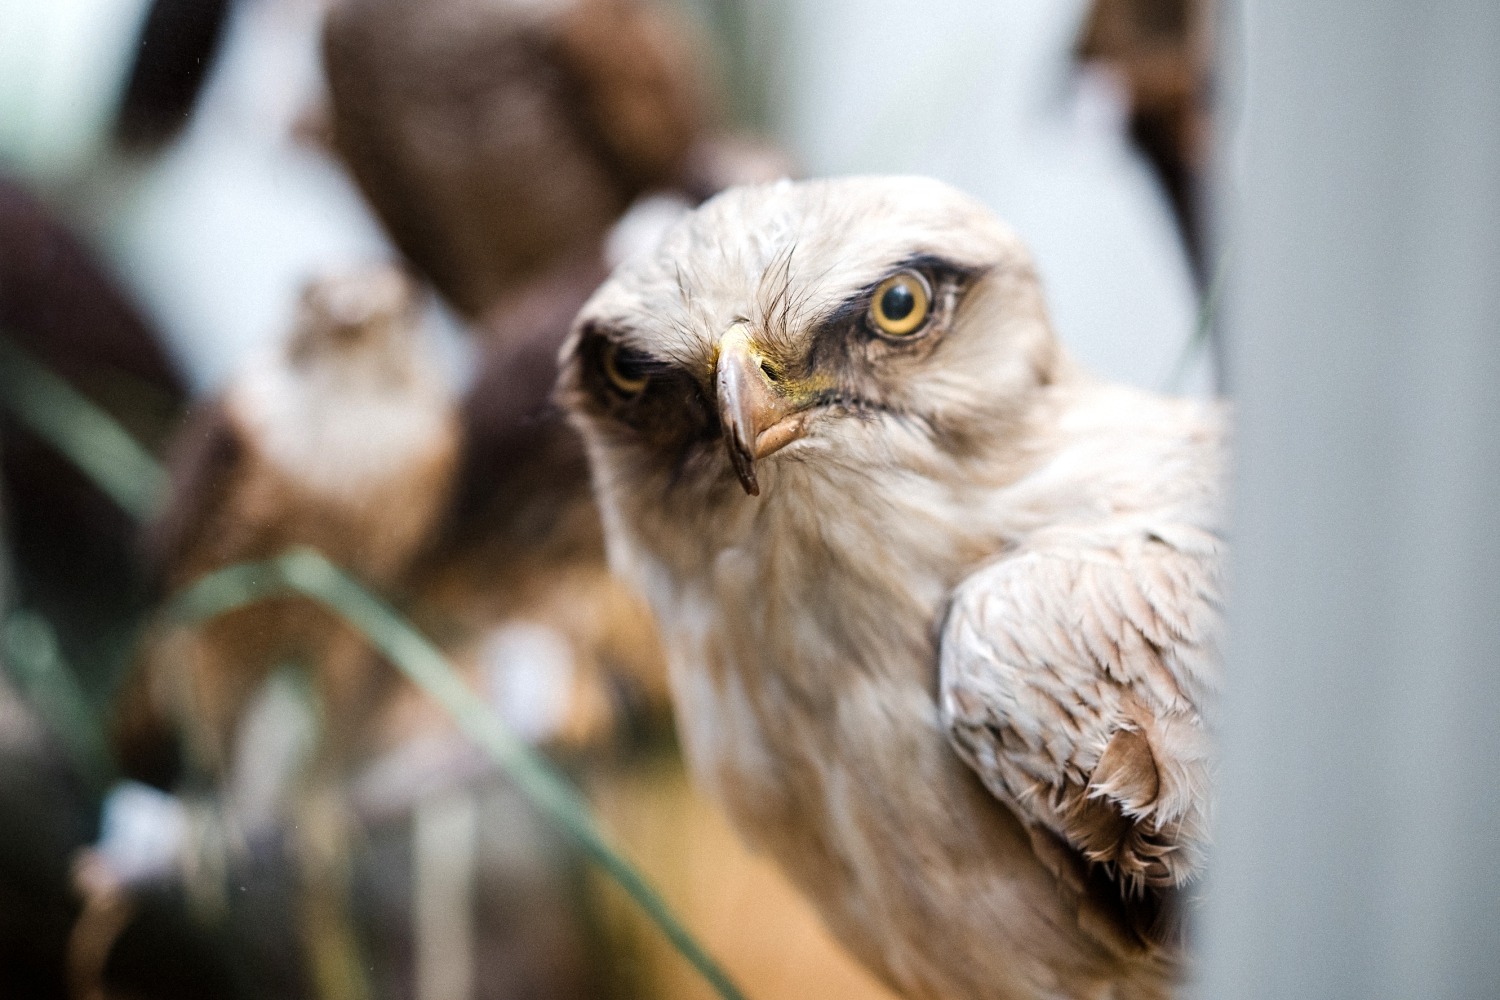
[{"x": 758, "y": 417}]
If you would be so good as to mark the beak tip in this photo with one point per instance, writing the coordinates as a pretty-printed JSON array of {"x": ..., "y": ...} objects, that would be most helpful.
[{"x": 744, "y": 468}]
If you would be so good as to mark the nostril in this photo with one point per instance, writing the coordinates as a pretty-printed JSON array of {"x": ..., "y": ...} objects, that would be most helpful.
[{"x": 770, "y": 373}]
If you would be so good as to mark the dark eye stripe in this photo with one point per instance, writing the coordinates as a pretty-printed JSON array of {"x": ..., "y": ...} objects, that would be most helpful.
[
  {"x": 633, "y": 364},
  {"x": 605, "y": 358}
]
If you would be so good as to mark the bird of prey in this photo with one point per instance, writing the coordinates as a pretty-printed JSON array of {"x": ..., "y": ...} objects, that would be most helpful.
[
  {"x": 346, "y": 439},
  {"x": 496, "y": 138},
  {"x": 940, "y": 608}
]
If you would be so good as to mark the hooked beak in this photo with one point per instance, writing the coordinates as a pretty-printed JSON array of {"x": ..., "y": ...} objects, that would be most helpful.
[{"x": 758, "y": 417}]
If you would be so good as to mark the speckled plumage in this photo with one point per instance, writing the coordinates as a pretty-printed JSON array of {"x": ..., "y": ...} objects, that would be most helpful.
[{"x": 972, "y": 559}]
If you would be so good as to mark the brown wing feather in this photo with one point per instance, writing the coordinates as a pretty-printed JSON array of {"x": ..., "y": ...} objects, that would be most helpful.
[
  {"x": 204, "y": 461},
  {"x": 638, "y": 86},
  {"x": 462, "y": 131}
]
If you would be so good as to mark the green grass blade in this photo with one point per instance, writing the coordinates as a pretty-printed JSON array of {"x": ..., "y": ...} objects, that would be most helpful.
[
  {"x": 1203, "y": 328},
  {"x": 30, "y": 649},
  {"x": 87, "y": 435},
  {"x": 308, "y": 572}
]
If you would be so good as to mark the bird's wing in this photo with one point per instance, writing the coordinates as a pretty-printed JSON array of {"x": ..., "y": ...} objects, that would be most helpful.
[
  {"x": 638, "y": 85},
  {"x": 1074, "y": 680},
  {"x": 204, "y": 462}
]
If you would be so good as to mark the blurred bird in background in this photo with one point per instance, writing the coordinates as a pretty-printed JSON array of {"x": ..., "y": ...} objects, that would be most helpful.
[
  {"x": 895, "y": 540},
  {"x": 1162, "y": 52},
  {"x": 346, "y": 440},
  {"x": 497, "y": 139}
]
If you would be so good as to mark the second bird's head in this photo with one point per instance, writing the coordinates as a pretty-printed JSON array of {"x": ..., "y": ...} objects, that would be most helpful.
[{"x": 361, "y": 323}]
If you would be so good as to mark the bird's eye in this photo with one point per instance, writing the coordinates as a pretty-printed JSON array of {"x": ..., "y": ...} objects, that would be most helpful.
[
  {"x": 625, "y": 371},
  {"x": 901, "y": 304}
]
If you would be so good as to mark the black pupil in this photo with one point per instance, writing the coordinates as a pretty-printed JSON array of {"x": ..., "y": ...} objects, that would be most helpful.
[
  {"x": 897, "y": 302},
  {"x": 628, "y": 365}
]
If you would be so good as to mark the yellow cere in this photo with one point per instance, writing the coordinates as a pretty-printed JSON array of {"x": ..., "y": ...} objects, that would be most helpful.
[
  {"x": 795, "y": 389},
  {"x": 901, "y": 304}
]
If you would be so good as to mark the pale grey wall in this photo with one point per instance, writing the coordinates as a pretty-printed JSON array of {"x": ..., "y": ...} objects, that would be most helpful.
[{"x": 1359, "y": 850}]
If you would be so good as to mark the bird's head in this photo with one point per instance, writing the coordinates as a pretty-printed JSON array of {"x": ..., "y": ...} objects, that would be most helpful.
[
  {"x": 361, "y": 322},
  {"x": 861, "y": 329}
]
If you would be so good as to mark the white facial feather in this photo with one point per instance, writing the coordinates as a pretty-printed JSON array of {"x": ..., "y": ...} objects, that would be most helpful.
[{"x": 338, "y": 436}]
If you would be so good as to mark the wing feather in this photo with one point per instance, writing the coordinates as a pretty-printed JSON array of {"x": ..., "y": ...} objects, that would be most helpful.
[
  {"x": 1073, "y": 681},
  {"x": 205, "y": 461}
]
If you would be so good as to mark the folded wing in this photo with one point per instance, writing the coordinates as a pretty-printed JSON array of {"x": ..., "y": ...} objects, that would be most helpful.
[{"x": 1074, "y": 675}]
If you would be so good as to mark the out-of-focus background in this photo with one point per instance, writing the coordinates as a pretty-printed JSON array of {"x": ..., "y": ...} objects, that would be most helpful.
[{"x": 316, "y": 257}]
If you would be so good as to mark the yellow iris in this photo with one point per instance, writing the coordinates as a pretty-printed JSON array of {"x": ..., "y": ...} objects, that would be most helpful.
[
  {"x": 901, "y": 304},
  {"x": 627, "y": 384}
]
